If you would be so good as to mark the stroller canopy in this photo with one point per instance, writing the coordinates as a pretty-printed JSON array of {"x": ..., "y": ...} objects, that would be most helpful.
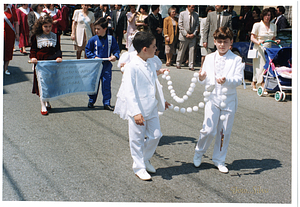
[{"x": 279, "y": 56}]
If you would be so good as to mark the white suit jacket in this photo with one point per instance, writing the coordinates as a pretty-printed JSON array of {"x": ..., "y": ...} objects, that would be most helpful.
[
  {"x": 139, "y": 93},
  {"x": 233, "y": 72}
]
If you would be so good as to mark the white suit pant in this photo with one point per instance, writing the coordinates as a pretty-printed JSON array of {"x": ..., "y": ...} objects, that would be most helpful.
[
  {"x": 142, "y": 149},
  {"x": 212, "y": 126}
]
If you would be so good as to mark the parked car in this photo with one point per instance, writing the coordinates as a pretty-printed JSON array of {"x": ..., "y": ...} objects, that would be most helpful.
[{"x": 241, "y": 48}]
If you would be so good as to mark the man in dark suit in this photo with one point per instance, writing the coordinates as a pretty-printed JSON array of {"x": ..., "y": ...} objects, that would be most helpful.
[
  {"x": 119, "y": 24},
  {"x": 281, "y": 22},
  {"x": 155, "y": 25},
  {"x": 215, "y": 19}
]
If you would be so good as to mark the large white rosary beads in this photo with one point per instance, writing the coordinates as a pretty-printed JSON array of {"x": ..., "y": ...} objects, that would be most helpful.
[
  {"x": 206, "y": 94},
  {"x": 184, "y": 97}
]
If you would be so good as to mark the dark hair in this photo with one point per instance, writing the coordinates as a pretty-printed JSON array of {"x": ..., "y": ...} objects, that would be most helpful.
[
  {"x": 103, "y": 22},
  {"x": 145, "y": 7},
  {"x": 154, "y": 7},
  {"x": 141, "y": 40},
  {"x": 37, "y": 27},
  {"x": 257, "y": 10},
  {"x": 209, "y": 8},
  {"x": 281, "y": 9},
  {"x": 223, "y": 33},
  {"x": 265, "y": 12}
]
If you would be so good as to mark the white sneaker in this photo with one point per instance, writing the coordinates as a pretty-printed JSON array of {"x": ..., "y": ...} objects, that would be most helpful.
[
  {"x": 222, "y": 168},
  {"x": 149, "y": 167},
  {"x": 197, "y": 159},
  {"x": 143, "y": 175},
  {"x": 7, "y": 72}
]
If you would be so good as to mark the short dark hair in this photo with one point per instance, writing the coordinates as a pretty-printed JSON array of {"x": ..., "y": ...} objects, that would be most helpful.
[
  {"x": 154, "y": 7},
  {"x": 103, "y": 22},
  {"x": 141, "y": 40},
  {"x": 145, "y": 7},
  {"x": 209, "y": 8},
  {"x": 281, "y": 9},
  {"x": 223, "y": 33},
  {"x": 257, "y": 10},
  {"x": 265, "y": 12}
]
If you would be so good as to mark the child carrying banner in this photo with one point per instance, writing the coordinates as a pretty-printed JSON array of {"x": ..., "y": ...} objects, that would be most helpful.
[
  {"x": 45, "y": 46},
  {"x": 103, "y": 46}
]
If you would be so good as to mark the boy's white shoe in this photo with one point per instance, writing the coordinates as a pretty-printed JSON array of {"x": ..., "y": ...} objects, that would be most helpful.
[
  {"x": 143, "y": 175},
  {"x": 149, "y": 167},
  {"x": 222, "y": 168},
  {"x": 197, "y": 159}
]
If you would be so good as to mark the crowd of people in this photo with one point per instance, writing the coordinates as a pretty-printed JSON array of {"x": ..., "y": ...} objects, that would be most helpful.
[
  {"x": 176, "y": 34},
  {"x": 99, "y": 33}
]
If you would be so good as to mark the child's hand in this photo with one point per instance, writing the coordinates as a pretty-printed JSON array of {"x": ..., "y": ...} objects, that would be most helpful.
[
  {"x": 167, "y": 104},
  {"x": 162, "y": 70},
  {"x": 34, "y": 60},
  {"x": 202, "y": 75},
  {"x": 221, "y": 80},
  {"x": 139, "y": 119},
  {"x": 112, "y": 58},
  {"x": 58, "y": 60}
]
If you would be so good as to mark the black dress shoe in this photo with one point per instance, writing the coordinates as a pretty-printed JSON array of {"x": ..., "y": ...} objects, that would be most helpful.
[
  {"x": 108, "y": 107},
  {"x": 91, "y": 105}
]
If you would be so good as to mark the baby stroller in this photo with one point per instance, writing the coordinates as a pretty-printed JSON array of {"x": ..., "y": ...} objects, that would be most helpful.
[{"x": 278, "y": 71}]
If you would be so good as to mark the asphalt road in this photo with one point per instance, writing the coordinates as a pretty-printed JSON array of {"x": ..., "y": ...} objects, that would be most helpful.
[{"x": 81, "y": 154}]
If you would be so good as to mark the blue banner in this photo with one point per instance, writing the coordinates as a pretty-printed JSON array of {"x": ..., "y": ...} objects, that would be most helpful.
[{"x": 68, "y": 77}]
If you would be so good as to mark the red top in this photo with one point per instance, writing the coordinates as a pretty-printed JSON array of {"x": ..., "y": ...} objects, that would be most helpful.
[
  {"x": 9, "y": 34},
  {"x": 24, "y": 28}
]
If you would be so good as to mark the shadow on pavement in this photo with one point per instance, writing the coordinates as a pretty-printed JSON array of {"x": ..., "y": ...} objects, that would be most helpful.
[
  {"x": 16, "y": 76},
  {"x": 237, "y": 168},
  {"x": 71, "y": 109},
  {"x": 254, "y": 166},
  {"x": 168, "y": 140}
]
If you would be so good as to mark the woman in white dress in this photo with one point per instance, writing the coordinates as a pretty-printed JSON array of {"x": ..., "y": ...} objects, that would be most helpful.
[
  {"x": 82, "y": 28},
  {"x": 262, "y": 31},
  {"x": 131, "y": 27}
]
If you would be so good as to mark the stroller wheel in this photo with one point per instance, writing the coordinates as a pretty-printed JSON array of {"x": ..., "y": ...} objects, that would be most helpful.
[
  {"x": 260, "y": 91},
  {"x": 278, "y": 96},
  {"x": 283, "y": 96}
]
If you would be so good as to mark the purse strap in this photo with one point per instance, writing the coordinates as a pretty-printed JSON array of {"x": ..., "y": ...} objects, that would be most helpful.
[{"x": 250, "y": 45}]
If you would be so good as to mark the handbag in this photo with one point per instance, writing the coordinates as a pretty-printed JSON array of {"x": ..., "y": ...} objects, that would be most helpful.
[{"x": 252, "y": 53}]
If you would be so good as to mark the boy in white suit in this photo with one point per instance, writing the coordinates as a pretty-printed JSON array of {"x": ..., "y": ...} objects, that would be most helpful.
[
  {"x": 139, "y": 100},
  {"x": 222, "y": 72}
]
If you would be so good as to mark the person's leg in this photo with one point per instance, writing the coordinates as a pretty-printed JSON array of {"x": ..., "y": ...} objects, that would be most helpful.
[
  {"x": 136, "y": 143},
  {"x": 6, "y": 68},
  {"x": 192, "y": 44},
  {"x": 182, "y": 48},
  {"x": 153, "y": 134},
  {"x": 224, "y": 128},
  {"x": 78, "y": 54},
  {"x": 209, "y": 130},
  {"x": 106, "y": 85}
]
